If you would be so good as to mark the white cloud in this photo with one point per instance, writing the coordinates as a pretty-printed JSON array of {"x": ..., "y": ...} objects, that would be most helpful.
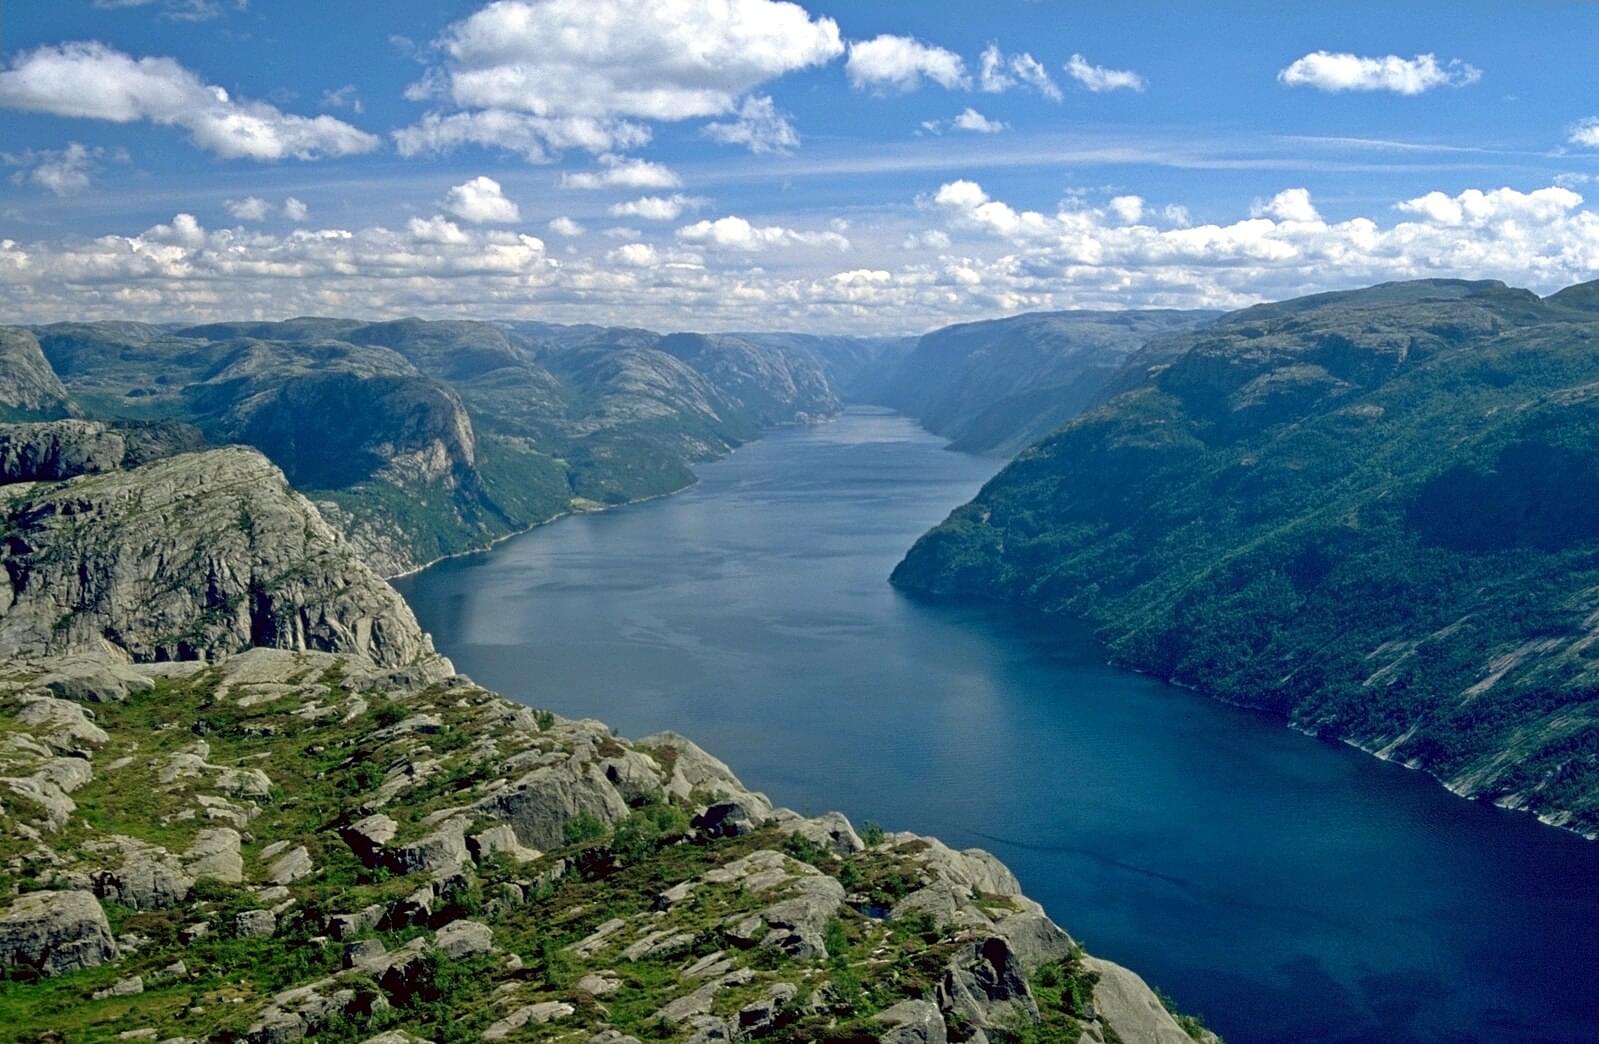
[
  {"x": 539, "y": 139},
  {"x": 437, "y": 229},
  {"x": 481, "y": 201},
  {"x": 177, "y": 10},
  {"x": 1288, "y": 205},
  {"x": 93, "y": 81},
  {"x": 1585, "y": 133},
  {"x": 254, "y": 209},
  {"x": 1098, "y": 78},
  {"x": 999, "y": 73},
  {"x": 655, "y": 208},
  {"x": 623, "y": 172},
  {"x": 633, "y": 255},
  {"x": 565, "y": 226},
  {"x": 633, "y": 58},
  {"x": 760, "y": 127},
  {"x": 735, "y": 233},
  {"x": 250, "y": 208},
  {"x": 62, "y": 172},
  {"x": 1128, "y": 209},
  {"x": 902, "y": 63},
  {"x": 961, "y": 255},
  {"x": 972, "y": 120},
  {"x": 346, "y": 97},
  {"x": 1328, "y": 71}
]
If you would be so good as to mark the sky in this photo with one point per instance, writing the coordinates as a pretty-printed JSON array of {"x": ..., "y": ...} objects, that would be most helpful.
[{"x": 862, "y": 167}]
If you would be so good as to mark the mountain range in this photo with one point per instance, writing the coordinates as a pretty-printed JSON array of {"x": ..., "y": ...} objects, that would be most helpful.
[{"x": 1372, "y": 512}]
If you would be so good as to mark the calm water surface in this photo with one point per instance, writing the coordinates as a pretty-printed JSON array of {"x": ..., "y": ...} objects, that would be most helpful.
[{"x": 1286, "y": 888}]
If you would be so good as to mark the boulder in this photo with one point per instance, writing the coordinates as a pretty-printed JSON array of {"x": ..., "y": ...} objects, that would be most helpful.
[
  {"x": 366, "y": 837},
  {"x": 499, "y": 839},
  {"x": 89, "y": 679},
  {"x": 150, "y": 877},
  {"x": 1126, "y": 1004},
  {"x": 912, "y": 1022},
  {"x": 832, "y": 831},
  {"x": 537, "y": 1014},
  {"x": 215, "y": 855},
  {"x": 464, "y": 939},
  {"x": 290, "y": 866},
  {"x": 1034, "y": 938},
  {"x": 129, "y": 987},
  {"x": 440, "y": 850},
  {"x": 727, "y": 819},
  {"x": 984, "y": 985},
  {"x": 255, "y": 924},
  {"x": 540, "y": 804},
  {"x": 55, "y": 932}
]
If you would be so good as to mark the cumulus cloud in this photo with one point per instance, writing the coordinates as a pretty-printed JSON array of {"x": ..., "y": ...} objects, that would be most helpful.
[
  {"x": 1098, "y": 78},
  {"x": 902, "y": 63},
  {"x": 1329, "y": 71},
  {"x": 558, "y": 74},
  {"x": 735, "y": 233},
  {"x": 962, "y": 254},
  {"x": 250, "y": 208},
  {"x": 633, "y": 255},
  {"x": 93, "y": 81},
  {"x": 655, "y": 208},
  {"x": 972, "y": 120},
  {"x": 1288, "y": 205},
  {"x": 255, "y": 209},
  {"x": 623, "y": 172},
  {"x": 61, "y": 172},
  {"x": 565, "y": 226},
  {"x": 1585, "y": 133},
  {"x": 999, "y": 73},
  {"x": 481, "y": 201},
  {"x": 760, "y": 127}
]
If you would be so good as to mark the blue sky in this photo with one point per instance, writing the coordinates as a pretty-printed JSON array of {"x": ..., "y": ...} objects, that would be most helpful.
[{"x": 821, "y": 166}]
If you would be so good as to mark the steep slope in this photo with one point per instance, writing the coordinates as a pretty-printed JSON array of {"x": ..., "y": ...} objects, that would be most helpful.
[
  {"x": 29, "y": 388},
  {"x": 421, "y": 439},
  {"x": 359, "y": 845},
  {"x": 999, "y": 385},
  {"x": 1371, "y": 512},
  {"x": 195, "y": 555}
]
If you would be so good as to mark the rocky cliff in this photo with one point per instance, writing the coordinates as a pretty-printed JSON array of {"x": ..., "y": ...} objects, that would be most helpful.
[
  {"x": 191, "y": 556},
  {"x": 1371, "y": 512},
  {"x": 999, "y": 385},
  {"x": 30, "y": 389},
  {"x": 281, "y": 843}
]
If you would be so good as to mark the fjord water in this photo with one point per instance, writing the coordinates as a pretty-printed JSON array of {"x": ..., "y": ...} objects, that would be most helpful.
[{"x": 1287, "y": 888}]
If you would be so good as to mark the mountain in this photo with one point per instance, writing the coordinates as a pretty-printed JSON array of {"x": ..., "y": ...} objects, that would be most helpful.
[
  {"x": 242, "y": 800},
  {"x": 31, "y": 390},
  {"x": 997, "y": 386},
  {"x": 422, "y": 439},
  {"x": 188, "y": 556},
  {"x": 1371, "y": 512}
]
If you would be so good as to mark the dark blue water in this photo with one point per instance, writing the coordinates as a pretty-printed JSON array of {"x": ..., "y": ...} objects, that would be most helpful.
[{"x": 1286, "y": 888}]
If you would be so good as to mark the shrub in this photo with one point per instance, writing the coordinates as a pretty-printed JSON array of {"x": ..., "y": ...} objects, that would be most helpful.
[{"x": 582, "y": 828}]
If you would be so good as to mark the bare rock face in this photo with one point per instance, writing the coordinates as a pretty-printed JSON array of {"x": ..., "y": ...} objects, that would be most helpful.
[
  {"x": 29, "y": 388},
  {"x": 58, "y": 450},
  {"x": 189, "y": 557},
  {"x": 55, "y": 932}
]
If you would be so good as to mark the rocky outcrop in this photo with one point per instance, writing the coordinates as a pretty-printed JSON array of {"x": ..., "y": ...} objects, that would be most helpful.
[
  {"x": 57, "y": 450},
  {"x": 55, "y": 932},
  {"x": 191, "y": 556},
  {"x": 29, "y": 388}
]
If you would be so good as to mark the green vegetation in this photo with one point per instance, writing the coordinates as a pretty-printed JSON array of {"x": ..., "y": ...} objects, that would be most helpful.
[{"x": 1373, "y": 513}]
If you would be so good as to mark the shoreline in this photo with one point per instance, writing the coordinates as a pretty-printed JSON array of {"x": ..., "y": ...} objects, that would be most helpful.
[{"x": 497, "y": 541}]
